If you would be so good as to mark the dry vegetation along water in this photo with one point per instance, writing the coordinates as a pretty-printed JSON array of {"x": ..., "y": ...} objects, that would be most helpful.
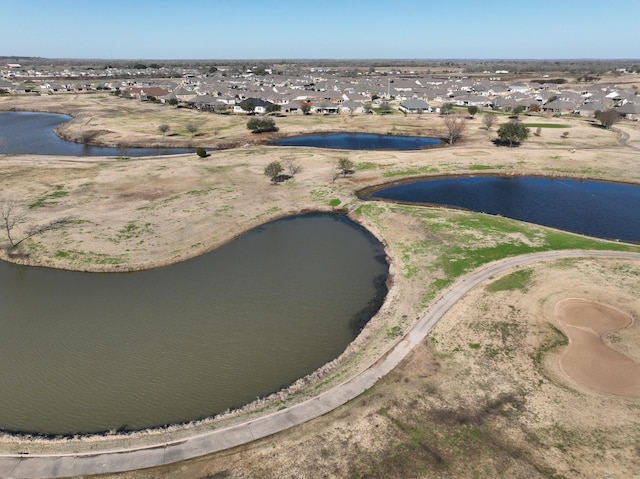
[{"x": 483, "y": 396}]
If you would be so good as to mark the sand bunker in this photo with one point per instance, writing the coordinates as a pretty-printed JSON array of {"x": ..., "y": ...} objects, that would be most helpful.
[{"x": 587, "y": 359}]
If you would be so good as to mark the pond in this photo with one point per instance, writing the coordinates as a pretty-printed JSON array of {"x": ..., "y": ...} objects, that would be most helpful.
[
  {"x": 89, "y": 352},
  {"x": 593, "y": 208},
  {"x": 360, "y": 141},
  {"x": 29, "y": 133}
]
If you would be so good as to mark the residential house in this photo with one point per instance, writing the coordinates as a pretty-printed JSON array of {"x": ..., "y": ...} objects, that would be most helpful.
[
  {"x": 415, "y": 105},
  {"x": 352, "y": 107},
  {"x": 325, "y": 108},
  {"x": 559, "y": 107},
  {"x": 519, "y": 87},
  {"x": 630, "y": 111},
  {"x": 293, "y": 107},
  {"x": 259, "y": 105},
  {"x": 590, "y": 109},
  {"x": 474, "y": 100}
]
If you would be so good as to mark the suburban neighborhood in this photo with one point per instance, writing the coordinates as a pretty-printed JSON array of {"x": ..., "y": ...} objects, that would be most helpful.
[{"x": 326, "y": 90}]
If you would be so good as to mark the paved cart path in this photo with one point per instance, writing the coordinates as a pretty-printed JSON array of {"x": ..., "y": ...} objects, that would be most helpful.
[{"x": 23, "y": 466}]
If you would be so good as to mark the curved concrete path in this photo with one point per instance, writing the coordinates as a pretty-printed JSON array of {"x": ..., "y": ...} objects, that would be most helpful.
[{"x": 25, "y": 466}]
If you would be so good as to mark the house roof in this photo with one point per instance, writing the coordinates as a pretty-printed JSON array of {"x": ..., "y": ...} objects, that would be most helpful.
[
  {"x": 630, "y": 109},
  {"x": 559, "y": 105},
  {"x": 415, "y": 104}
]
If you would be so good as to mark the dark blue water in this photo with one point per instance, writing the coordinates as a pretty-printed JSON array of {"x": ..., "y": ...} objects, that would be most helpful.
[
  {"x": 27, "y": 133},
  {"x": 592, "y": 208},
  {"x": 360, "y": 141}
]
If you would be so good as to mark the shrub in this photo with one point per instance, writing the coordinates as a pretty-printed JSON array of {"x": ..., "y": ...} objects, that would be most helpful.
[
  {"x": 201, "y": 152},
  {"x": 273, "y": 170},
  {"x": 259, "y": 125}
]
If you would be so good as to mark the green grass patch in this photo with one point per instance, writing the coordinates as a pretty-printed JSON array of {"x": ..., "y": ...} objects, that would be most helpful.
[
  {"x": 46, "y": 199},
  {"x": 424, "y": 170},
  {"x": 89, "y": 257},
  {"x": 455, "y": 243},
  {"x": 365, "y": 166},
  {"x": 518, "y": 280},
  {"x": 394, "y": 331},
  {"x": 334, "y": 202},
  {"x": 557, "y": 339},
  {"x": 267, "y": 213},
  {"x": 132, "y": 230},
  {"x": 202, "y": 192}
]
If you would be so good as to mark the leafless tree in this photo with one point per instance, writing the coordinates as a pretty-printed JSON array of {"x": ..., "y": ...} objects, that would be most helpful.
[
  {"x": 291, "y": 166},
  {"x": 10, "y": 216},
  {"x": 608, "y": 117},
  {"x": 164, "y": 128},
  {"x": 192, "y": 128},
  {"x": 335, "y": 172},
  {"x": 489, "y": 119},
  {"x": 455, "y": 125}
]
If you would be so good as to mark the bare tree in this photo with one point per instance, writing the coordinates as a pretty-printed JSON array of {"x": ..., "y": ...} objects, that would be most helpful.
[
  {"x": 455, "y": 125},
  {"x": 335, "y": 172},
  {"x": 192, "y": 128},
  {"x": 489, "y": 119},
  {"x": 10, "y": 216},
  {"x": 608, "y": 117},
  {"x": 164, "y": 128},
  {"x": 446, "y": 108},
  {"x": 291, "y": 166}
]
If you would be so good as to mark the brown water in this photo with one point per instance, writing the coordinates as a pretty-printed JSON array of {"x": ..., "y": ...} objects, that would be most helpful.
[{"x": 87, "y": 352}]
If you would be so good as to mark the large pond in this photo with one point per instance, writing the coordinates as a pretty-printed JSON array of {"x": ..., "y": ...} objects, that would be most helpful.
[
  {"x": 360, "y": 141},
  {"x": 592, "y": 208},
  {"x": 87, "y": 352},
  {"x": 28, "y": 133}
]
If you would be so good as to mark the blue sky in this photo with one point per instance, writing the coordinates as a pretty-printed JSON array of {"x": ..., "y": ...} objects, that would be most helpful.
[{"x": 332, "y": 29}]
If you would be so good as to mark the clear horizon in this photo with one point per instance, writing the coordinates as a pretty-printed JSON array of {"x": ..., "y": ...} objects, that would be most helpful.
[{"x": 357, "y": 30}]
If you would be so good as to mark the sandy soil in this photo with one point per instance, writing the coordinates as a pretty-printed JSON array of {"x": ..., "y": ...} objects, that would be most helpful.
[
  {"x": 484, "y": 397},
  {"x": 588, "y": 359}
]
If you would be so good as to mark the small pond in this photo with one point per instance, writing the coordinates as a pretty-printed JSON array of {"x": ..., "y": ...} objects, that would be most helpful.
[
  {"x": 360, "y": 141},
  {"x": 593, "y": 208},
  {"x": 89, "y": 352},
  {"x": 28, "y": 133}
]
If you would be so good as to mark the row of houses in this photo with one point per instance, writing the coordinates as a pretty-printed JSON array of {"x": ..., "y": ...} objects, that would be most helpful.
[{"x": 332, "y": 94}]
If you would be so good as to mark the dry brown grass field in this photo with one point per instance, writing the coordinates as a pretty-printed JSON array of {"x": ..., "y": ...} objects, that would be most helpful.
[{"x": 483, "y": 396}]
